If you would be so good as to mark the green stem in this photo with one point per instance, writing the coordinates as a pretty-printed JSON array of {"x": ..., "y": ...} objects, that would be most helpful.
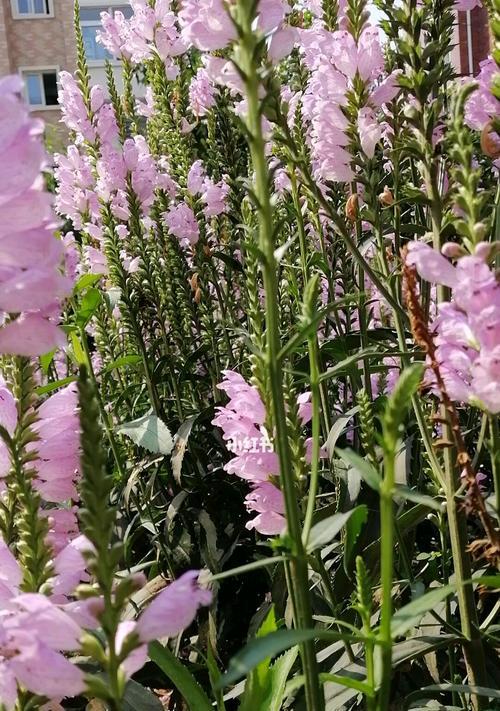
[
  {"x": 316, "y": 430},
  {"x": 495, "y": 459},
  {"x": 473, "y": 647},
  {"x": 247, "y": 53},
  {"x": 386, "y": 575}
]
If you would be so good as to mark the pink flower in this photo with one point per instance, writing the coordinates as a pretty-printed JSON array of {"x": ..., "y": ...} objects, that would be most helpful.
[
  {"x": 31, "y": 283},
  {"x": 206, "y": 24},
  {"x": 482, "y": 106},
  {"x": 58, "y": 451},
  {"x": 466, "y": 5},
  {"x": 431, "y": 265},
  {"x": 181, "y": 222},
  {"x": 369, "y": 130},
  {"x": 467, "y": 329},
  {"x": 267, "y": 500},
  {"x": 201, "y": 93},
  {"x": 174, "y": 609},
  {"x": 196, "y": 177},
  {"x": 33, "y": 633},
  {"x": 214, "y": 196}
]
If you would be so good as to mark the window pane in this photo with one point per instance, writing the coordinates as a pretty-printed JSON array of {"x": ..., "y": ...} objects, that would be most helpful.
[
  {"x": 23, "y": 7},
  {"x": 50, "y": 88},
  {"x": 91, "y": 14},
  {"x": 34, "y": 89},
  {"x": 93, "y": 50},
  {"x": 39, "y": 7},
  {"x": 126, "y": 9}
]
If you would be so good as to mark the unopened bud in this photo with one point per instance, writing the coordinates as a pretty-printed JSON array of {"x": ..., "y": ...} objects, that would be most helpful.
[
  {"x": 138, "y": 581},
  {"x": 386, "y": 198},
  {"x": 452, "y": 250},
  {"x": 483, "y": 251},
  {"x": 351, "y": 208},
  {"x": 490, "y": 142}
]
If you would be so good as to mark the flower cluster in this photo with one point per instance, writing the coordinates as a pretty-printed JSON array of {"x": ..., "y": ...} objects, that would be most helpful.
[
  {"x": 31, "y": 281},
  {"x": 334, "y": 60},
  {"x": 242, "y": 420},
  {"x": 467, "y": 328}
]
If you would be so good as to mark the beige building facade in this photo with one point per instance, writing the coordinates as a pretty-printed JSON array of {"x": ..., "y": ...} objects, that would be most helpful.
[{"x": 37, "y": 41}]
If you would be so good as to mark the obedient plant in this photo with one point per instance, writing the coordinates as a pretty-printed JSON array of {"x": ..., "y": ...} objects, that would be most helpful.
[{"x": 250, "y": 360}]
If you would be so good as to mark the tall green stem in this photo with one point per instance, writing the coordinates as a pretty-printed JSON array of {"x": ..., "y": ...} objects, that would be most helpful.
[
  {"x": 247, "y": 54},
  {"x": 386, "y": 574},
  {"x": 495, "y": 459}
]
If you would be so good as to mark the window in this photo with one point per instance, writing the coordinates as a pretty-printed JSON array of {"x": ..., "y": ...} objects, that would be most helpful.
[
  {"x": 90, "y": 18},
  {"x": 41, "y": 87},
  {"x": 32, "y": 8}
]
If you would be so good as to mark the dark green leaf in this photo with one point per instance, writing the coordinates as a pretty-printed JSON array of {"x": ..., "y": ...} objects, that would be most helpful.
[
  {"x": 352, "y": 531},
  {"x": 325, "y": 531},
  {"x": 368, "y": 473},
  {"x": 181, "y": 678},
  {"x": 55, "y": 385},
  {"x": 273, "y": 644}
]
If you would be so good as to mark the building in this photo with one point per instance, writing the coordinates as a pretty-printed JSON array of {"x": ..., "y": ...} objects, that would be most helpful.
[
  {"x": 472, "y": 40},
  {"x": 37, "y": 41}
]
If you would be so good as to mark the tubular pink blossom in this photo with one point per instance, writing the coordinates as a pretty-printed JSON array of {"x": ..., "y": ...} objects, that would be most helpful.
[{"x": 174, "y": 609}]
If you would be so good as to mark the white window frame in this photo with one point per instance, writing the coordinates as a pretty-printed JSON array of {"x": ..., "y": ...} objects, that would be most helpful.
[
  {"x": 39, "y": 70},
  {"x": 31, "y": 15},
  {"x": 106, "y": 6}
]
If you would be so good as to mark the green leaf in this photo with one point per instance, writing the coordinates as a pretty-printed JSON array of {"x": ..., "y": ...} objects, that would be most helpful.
[
  {"x": 368, "y": 472},
  {"x": 88, "y": 306},
  {"x": 325, "y": 531},
  {"x": 326, "y": 678},
  {"x": 122, "y": 362},
  {"x": 149, "y": 432},
  {"x": 55, "y": 385},
  {"x": 273, "y": 644},
  {"x": 46, "y": 360},
  {"x": 78, "y": 352},
  {"x": 407, "y": 616},
  {"x": 280, "y": 672},
  {"x": 403, "y": 492},
  {"x": 183, "y": 680},
  {"x": 345, "y": 365},
  {"x": 352, "y": 531},
  {"x": 458, "y": 688},
  {"x": 138, "y": 698},
  {"x": 87, "y": 280},
  {"x": 337, "y": 429},
  {"x": 258, "y": 681},
  {"x": 179, "y": 450}
]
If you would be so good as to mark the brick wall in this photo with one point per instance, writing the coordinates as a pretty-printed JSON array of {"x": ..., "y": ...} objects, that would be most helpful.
[
  {"x": 42, "y": 41},
  {"x": 481, "y": 40}
]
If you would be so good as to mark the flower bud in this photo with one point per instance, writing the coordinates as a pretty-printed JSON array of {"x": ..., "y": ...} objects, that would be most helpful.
[
  {"x": 490, "y": 142},
  {"x": 452, "y": 250},
  {"x": 386, "y": 198},
  {"x": 480, "y": 231},
  {"x": 483, "y": 251},
  {"x": 351, "y": 207}
]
